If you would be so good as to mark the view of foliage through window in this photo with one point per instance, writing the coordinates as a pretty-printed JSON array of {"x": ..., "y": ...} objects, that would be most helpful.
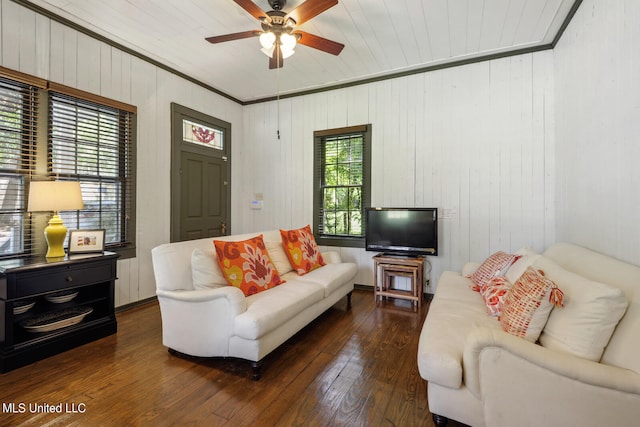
[{"x": 342, "y": 185}]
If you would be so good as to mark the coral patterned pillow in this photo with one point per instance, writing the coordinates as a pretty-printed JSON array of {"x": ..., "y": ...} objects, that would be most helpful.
[
  {"x": 246, "y": 265},
  {"x": 301, "y": 249},
  {"x": 494, "y": 294},
  {"x": 494, "y": 266},
  {"x": 528, "y": 304}
]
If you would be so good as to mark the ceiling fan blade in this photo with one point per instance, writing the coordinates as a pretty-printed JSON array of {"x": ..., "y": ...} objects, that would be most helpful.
[
  {"x": 252, "y": 8},
  {"x": 309, "y": 9},
  {"x": 276, "y": 60},
  {"x": 233, "y": 36},
  {"x": 319, "y": 43}
]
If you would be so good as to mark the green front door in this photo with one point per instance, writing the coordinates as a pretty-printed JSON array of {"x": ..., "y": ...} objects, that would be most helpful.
[
  {"x": 200, "y": 175},
  {"x": 203, "y": 196}
]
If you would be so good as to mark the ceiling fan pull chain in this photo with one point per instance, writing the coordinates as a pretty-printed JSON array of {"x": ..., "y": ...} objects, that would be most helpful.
[{"x": 278, "y": 92}]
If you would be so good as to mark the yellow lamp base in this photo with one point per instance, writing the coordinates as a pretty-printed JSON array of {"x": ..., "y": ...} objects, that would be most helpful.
[{"x": 55, "y": 234}]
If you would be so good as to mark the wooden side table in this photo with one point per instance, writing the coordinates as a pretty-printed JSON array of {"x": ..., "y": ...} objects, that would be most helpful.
[{"x": 387, "y": 267}]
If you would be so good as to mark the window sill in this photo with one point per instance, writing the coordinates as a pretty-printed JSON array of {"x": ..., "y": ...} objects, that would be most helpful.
[{"x": 347, "y": 242}]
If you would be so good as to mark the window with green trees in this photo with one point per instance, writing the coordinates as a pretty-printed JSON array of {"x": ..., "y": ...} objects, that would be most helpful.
[{"x": 342, "y": 171}]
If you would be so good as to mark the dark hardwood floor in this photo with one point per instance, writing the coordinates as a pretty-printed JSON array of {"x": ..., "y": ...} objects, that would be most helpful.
[{"x": 347, "y": 368}]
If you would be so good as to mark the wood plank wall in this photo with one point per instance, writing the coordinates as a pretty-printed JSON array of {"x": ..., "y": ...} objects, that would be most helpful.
[
  {"x": 597, "y": 64},
  {"x": 36, "y": 45},
  {"x": 475, "y": 141}
]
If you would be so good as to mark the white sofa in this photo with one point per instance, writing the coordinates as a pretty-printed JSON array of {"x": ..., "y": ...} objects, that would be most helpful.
[
  {"x": 481, "y": 376},
  {"x": 222, "y": 322}
]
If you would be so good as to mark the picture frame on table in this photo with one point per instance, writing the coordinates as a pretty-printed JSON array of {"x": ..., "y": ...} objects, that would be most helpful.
[{"x": 86, "y": 241}]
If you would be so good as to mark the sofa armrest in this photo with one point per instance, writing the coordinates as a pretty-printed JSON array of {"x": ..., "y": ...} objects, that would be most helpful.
[
  {"x": 200, "y": 322},
  {"x": 331, "y": 257},
  {"x": 233, "y": 295},
  {"x": 504, "y": 371}
]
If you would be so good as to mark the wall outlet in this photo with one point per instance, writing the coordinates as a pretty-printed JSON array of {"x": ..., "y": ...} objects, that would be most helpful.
[{"x": 448, "y": 213}]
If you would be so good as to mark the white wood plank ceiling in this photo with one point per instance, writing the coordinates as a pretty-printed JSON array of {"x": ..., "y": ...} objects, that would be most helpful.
[{"x": 382, "y": 37}]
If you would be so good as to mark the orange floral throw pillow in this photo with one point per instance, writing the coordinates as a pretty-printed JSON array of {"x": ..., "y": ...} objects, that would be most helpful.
[
  {"x": 246, "y": 265},
  {"x": 301, "y": 249},
  {"x": 494, "y": 294}
]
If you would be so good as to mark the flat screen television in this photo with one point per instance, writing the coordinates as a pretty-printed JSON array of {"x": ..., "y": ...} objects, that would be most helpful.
[{"x": 402, "y": 231}]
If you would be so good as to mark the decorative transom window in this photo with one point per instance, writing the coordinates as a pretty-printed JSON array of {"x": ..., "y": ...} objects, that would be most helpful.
[
  {"x": 196, "y": 133},
  {"x": 342, "y": 162}
]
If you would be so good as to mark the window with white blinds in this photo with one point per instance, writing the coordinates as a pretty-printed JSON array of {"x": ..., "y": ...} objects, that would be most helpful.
[
  {"x": 93, "y": 143},
  {"x": 18, "y": 126}
]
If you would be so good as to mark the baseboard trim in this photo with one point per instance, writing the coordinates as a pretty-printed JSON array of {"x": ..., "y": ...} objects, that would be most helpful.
[
  {"x": 136, "y": 304},
  {"x": 428, "y": 296}
]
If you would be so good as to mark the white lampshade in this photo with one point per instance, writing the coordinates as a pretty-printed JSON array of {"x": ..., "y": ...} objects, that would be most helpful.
[
  {"x": 267, "y": 39},
  {"x": 268, "y": 51},
  {"x": 286, "y": 52},
  {"x": 288, "y": 41},
  {"x": 55, "y": 196}
]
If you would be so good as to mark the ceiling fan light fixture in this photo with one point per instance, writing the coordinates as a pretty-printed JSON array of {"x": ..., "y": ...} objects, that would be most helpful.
[
  {"x": 267, "y": 40},
  {"x": 280, "y": 33},
  {"x": 288, "y": 41}
]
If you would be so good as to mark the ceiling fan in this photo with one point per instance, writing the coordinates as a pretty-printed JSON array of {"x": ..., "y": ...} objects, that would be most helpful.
[{"x": 279, "y": 35}]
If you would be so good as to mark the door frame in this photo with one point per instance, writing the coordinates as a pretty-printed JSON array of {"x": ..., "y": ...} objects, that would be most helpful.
[{"x": 178, "y": 113}]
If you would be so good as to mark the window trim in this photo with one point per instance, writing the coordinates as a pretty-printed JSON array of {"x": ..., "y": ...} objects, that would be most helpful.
[{"x": 318, "y": 137}]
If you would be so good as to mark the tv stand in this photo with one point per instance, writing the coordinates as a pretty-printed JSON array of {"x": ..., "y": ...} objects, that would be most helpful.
[{"x": 388, "y": 266}]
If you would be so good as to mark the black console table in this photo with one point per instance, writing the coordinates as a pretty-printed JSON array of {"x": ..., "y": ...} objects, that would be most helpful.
[{"x": 47, "y": 307}]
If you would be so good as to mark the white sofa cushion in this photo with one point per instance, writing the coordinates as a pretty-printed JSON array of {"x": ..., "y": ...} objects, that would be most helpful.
[
  {"x": 624, "y": 346},
  {"x": 278, "y": 256},
  {"x": 329, "y": 276},
  {"x": 205, "y": 271},
  {"x": 527, "y": 257},
  {"x": 268, "y": 310},
  {"x": 590, "y": 314}
]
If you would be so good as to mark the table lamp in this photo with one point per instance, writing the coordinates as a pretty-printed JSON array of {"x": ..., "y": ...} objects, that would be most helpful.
[{"x": 55, "y": 196}]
